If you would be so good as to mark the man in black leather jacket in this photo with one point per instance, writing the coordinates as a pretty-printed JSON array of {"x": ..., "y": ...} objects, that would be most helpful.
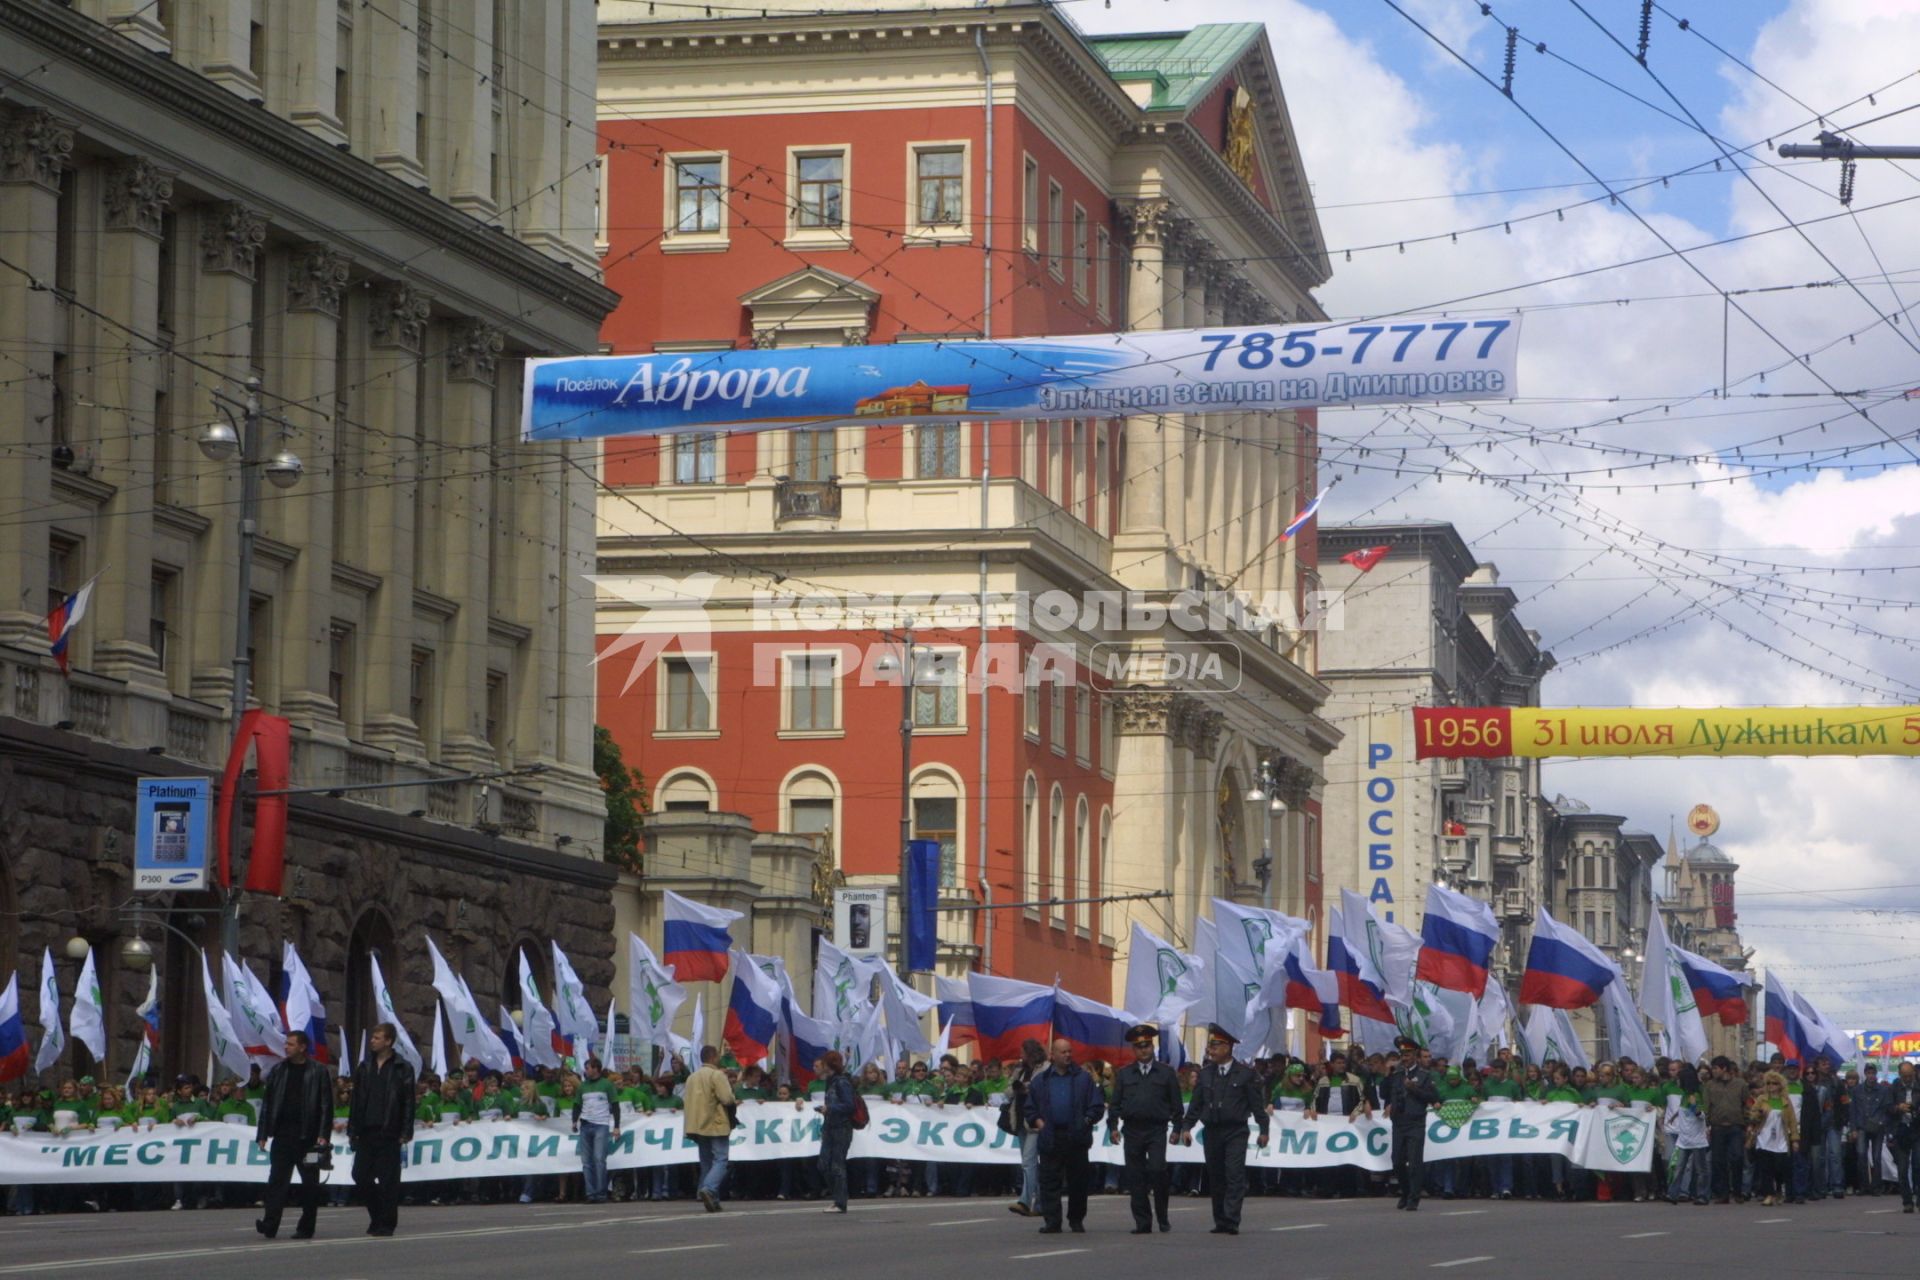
[
  {"x": 379, "y": 1125},
  {"x": 296, "y": 1117}
]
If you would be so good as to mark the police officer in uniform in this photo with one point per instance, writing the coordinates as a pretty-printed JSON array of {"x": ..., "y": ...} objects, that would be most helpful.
[
  {"x": 1146, "y": 1095},
  {"x": 1409, "y": 1092},
  {"x": 1224, "y": 1095}
]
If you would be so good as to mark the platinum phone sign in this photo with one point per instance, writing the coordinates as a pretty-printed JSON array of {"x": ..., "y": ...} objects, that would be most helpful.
[{"x": 170, "y": 834}]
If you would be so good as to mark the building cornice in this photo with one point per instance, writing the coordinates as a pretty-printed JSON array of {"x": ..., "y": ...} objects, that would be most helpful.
[{"x": 83, "y": 43}]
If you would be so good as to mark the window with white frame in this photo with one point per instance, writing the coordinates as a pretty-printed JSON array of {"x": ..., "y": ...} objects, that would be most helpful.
[
  {"x": 685, "y": 791},
  {"x": 812, "y": 449},
  {"x": 1057, "y": 719},
  {"x": 1033, "y": 697},
  {"x": 699, "y": 195},
  {"x": 696, "y": 457},
  {"x": 1077, "y": 882},
  {"x": 810, "y": 798},
  {"x": 939, "y": 680},
  {"x": 1030, "y": 840},
  {"x": 940, "y": 186},
  {"x": 1080, "y": 250},
  {"x": 813, "y": 692},
  {"x": 1030, "y": 205},
  {"x": 1056, "y": 846},
  {"x": 1082, "y": 723},
  {"x": 936, "y": 817},
  {"x": 1105, "y": 873},
  {"x": 1056, "y": 230},
  {"x": 686, "y": 693}
]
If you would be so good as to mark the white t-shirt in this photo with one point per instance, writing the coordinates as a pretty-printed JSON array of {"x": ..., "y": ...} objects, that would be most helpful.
[
  {"x": 1773, "y": 1133},
  {"x": 1336, "y": 1100}
]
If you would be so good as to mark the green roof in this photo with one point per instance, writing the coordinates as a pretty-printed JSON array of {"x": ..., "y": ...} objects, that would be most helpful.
[{"x": 1182, "y": 66}]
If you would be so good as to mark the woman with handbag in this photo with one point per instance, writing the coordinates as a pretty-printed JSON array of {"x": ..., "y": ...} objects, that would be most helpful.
[{"x": 839, "y": 1107}]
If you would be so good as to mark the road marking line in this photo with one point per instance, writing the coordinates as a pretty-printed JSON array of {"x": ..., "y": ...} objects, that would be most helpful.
[
  {"x": 1873, "y": 1212},
  {"x": 962, "y": 1222},
  {"x": 678, "y": 1248},
  {"x": 1461, "y": 1262},
  {"x": 1051, "y": 1253},
  {"x": 1646, "y": 1235},
  {"x": 1766, "y": 1221},
  {"x": 1305, "y": 1226}
]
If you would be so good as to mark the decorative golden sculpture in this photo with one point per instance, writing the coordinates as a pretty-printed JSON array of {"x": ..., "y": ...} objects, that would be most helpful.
[{"x": 1238, "y": 152}]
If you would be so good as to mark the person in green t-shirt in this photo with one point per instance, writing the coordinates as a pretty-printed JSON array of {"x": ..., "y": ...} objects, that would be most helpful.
[
  {"x": 1457, "y": 1099},
  {"x": 1604, "y": 1087},
  {"x": 1499, "y": 1085}
]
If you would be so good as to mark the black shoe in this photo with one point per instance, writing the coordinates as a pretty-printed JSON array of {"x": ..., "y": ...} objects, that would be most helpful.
[
  {"x": 1078, "y": 1228},
  {"x": 1165, "y": 1226},
  {"x": 382, "y": 1232},
  {"x": 1049, "y": 1231},
  {"x": 1401, "y": 1203},
  {"x": 1413, "y": 1206},
  {"x": 1141, "y": 1231},
  {"x": 303, "y": 1235},
  {"x": 260, "y": 1225}
]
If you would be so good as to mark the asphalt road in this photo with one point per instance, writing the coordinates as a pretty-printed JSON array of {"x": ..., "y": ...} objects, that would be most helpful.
[{"x": 977, "y": 1239}]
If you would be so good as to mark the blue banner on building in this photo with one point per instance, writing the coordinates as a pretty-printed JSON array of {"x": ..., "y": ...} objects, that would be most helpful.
[
  {"x": 923, "y": 880},
  {"x": 171, "y": 817}
]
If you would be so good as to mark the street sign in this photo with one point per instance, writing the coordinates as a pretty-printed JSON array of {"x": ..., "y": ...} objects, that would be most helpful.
[
  {"x": 170, "y": 834},
  {"x": 860, "y": 921}
]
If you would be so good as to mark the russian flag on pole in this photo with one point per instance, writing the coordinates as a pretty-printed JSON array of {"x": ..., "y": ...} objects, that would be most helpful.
[
  {"x": 696, "y": 940},
  {"x": 1307, "y": 513},
  {"x": 1362, "y": 987},
  {"x": 808, "y": 1041},
  {"x": 753, "y": 1011},
  {"x": 300, "y": 1005},
  {"x": 956, "y": 1009},
  {"x": 1786, "y": 1031},
  {"x": 14, "y": 1058},
  {"x": 1457, "y": 939},
  {"x": 65, "y": 617},
  {"x": 1317, "y": 991},
  {"x": 1714, "y": 989},
  {"x": 1564, "y": 970},
  {"x": 1098, "y": 1032},
  {"x": 1008, "y": 1012}
]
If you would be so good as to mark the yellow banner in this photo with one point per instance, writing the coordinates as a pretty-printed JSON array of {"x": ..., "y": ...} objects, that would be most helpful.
[{"x": 1454, "y": 732}]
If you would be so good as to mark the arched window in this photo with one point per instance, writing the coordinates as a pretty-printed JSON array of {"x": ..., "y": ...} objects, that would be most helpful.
[
  {"x": 372, "y": 938},
  {"x": 1106, "y": 914},
  {"x": 1030, "y": 840},
  {"x": 939, "y": 805},
  {"x": 810, "y": 805},
  {"x": 686, "y": 791},
  {"x": 1056, "y": 846},
  {"x": 1079, "y": 885}
]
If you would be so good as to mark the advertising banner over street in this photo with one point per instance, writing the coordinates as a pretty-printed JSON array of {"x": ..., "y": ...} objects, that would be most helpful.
[
  {"x": 1394, "y": 361},
  {"x": 1451, "y": 733},
  {"x": 1607, "y": 1141}
]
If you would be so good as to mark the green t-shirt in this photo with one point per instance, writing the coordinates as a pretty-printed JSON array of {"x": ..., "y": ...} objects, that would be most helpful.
[
  {"x": 1615, "y": 1092},
  {"x": 1492, "y": 1088},
  {"x": 968, "y": 1094},
  {"x": 638, "y": 1096},
  {"x": 1562, "y": 1093},
  {"x": 198, "y": 1108},
  {"x": 1653, "y": 1095},
  {"x": 743, "y": 1094}
]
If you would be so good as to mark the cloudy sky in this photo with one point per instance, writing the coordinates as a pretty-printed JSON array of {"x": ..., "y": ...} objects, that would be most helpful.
[{"x": 1770, "y": 554}]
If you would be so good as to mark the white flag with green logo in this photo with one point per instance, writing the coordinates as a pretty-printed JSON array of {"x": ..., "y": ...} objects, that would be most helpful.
[
  {"x": 54, "y": 1042},
  {"x": 88, "y": 1020},
  {"x": 223, "y": 1040},
  {"x": 383, "y": 1002},
  {"x": 1667, "y": 997},
  {"x": 537, "y": 1023},
  {"x": 1626, "y": 1028},
  {"x": 471, "y": 1031},
  {"x": 1163, "y": 982},
  {"x": 653, "y": 997}
]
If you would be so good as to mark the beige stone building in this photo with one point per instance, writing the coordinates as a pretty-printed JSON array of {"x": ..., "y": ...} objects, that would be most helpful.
[{"x": 376, "y": 210}]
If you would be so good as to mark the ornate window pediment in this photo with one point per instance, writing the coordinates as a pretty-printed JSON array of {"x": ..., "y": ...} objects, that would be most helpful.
[{"x": 813, "y": 307}]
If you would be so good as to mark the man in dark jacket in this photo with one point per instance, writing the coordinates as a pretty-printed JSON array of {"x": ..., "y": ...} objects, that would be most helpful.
[
  {"x": 1147, "y": 1096},
  {"x": 1409, "y": 1092},
  {"x": 837, "y": 1107},
  {"x": 1063, "y": 1106},
  {"x": 296, "y": 1117},
  {"x": 1868, "y": 1121},
  {"x": 379, "y": 1124},
  {"x": 1224, "y": 1094}
]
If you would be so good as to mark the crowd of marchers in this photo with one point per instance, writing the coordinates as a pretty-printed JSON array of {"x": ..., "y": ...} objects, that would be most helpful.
[{"x": 1771, "y": 1131}]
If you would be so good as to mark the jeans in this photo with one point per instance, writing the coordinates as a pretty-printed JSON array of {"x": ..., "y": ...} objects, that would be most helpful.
[
  {"x": 1726, "y": 1142},
  {"x": 376, "y": 1173},
  {"x": 1836, "y": 1164},
  {"x": 713, "y": 1161},
  {"x": 1689, "y": 1178},
  {"x": 1030, "y": 1171},
  {"x": 593, "y": 1160},
  {"x": 835, "y": 1139},
  {"x": 1500, "y": 1173},
  {"x": 1867, "y": 1148}
]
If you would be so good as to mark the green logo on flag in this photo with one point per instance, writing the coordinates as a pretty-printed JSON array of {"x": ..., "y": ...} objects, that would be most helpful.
[
  {"x": 1171, "y": 969},
  {"x": 654, "y": 1006},
  {"x": 1626, "y": 1135},
  {"x": 1258, "y": 932},
  {"x": 1683, "y": 1001}
]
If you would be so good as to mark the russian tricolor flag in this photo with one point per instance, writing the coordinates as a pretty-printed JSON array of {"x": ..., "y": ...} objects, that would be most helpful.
[
  {"x": 1564, "y": 970},
  {"x": 510, "y": 1036},
  {"x": 1098, "y": 1032},
  {"x": 1008, "y": 1012},
  {"x": 1307, "y": 513},
  {"x": 697, "y": 940},
  {"x": 1714, "y": 989},
  {"x": 1786, "y": 1031},
  {"x": 956, "y": 1010},
  {"x": 1362, "y": 988},
  {"x": 14, "y": 1057},
  {"x": 1457, "y": 939},
  {"x": 808, "y": 1041},
  {"x": 64, "y": 618},
  {"x": 1317, "y": 991},
  {"x": 753, "y": 1011}
]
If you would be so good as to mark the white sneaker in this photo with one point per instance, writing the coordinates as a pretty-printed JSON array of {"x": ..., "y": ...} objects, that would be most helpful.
[{"x": 176, "y": 1205}]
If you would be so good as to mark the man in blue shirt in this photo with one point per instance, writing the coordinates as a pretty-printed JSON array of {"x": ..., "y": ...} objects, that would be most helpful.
[{"x": 1063, "y": 1107}]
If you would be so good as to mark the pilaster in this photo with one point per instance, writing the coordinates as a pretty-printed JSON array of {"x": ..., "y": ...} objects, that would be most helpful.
[{"x": 462, "y": 507}]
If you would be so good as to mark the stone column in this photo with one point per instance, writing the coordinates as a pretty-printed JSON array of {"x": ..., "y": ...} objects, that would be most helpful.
[
  {"x": 394, "y": 55},
  {"x": 313, "y": 28},
  {"x": 398, "y": 325},
  {"x": 1179, "y": 441},
  {"x": 222, "y": 46},
  {"x": 1142, "y": 502},
  {"x": 126, "y": 380},
  {"x": 1145, "y": 799},
  {"x": 466, "y": 89},
  {"x": 1225, "y": 513},
  {"x": 232, "y": 245},
  {"x": 35, "y": 149},
  {"x": 317, "y": 277},
  {"x": 462, "y": 509}
]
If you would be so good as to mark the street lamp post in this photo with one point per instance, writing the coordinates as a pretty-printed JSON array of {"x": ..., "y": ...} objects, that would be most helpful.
[
  {"x": 909, "y": 667},
  {"x": 1267, "y": 791},
  {"x": 238, "y": 436}
]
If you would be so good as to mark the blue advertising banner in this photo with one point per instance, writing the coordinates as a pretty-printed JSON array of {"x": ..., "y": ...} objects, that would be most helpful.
[
  {"x": 1398, "y": 361},
  {"x": 171, "y": 817},
  {"x": 923, "y": 879}
]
